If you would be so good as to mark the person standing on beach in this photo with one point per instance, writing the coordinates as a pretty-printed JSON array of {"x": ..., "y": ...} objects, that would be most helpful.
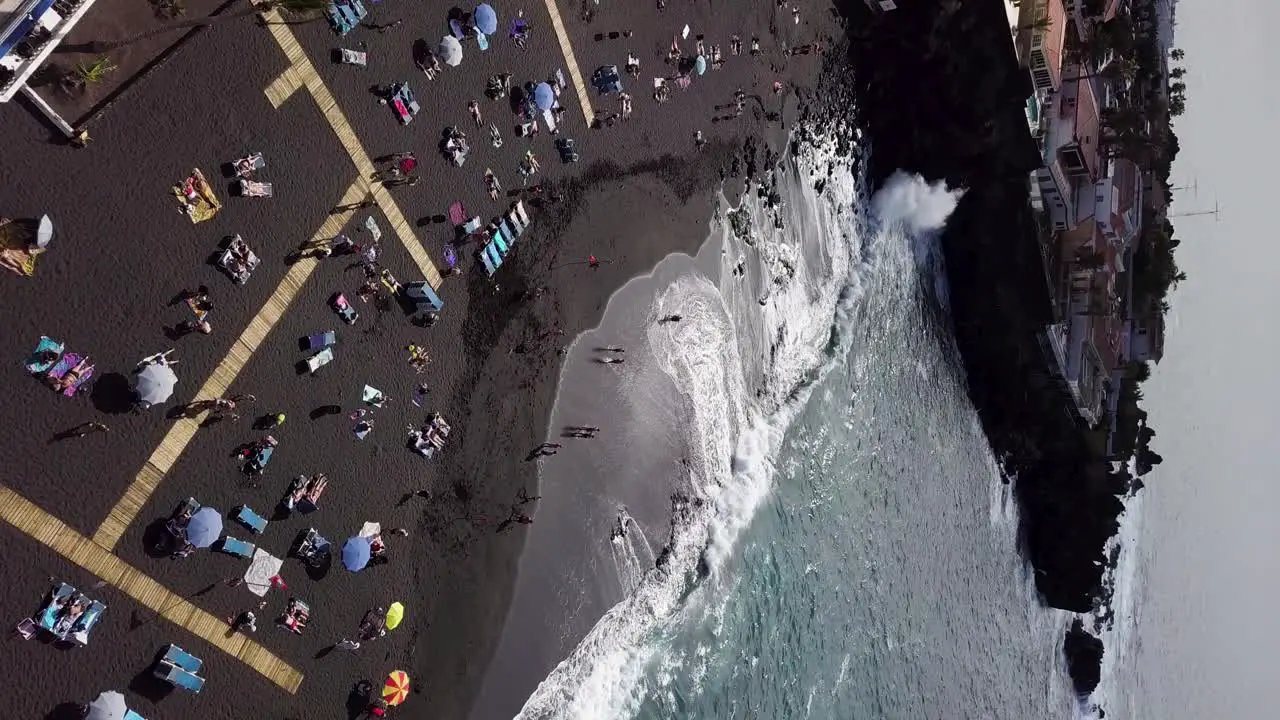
[
  {"x": 670, "y": 318},
  {"x": 347, "y": 645},
  {"x": 90, "y": 427}
]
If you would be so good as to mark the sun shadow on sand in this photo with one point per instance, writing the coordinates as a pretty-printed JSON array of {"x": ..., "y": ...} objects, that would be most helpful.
[
  {"x": 66, "y": 711},
  {"x": 149, "y": 686},
  {"x": 156, "y": 539},
  {"x": 111, "y": 394}
]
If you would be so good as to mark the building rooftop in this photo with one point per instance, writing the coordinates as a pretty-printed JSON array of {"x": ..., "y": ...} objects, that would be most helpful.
[
  {"x": 1053, "y": 38},
  {"x": 1086, "y": 126}
]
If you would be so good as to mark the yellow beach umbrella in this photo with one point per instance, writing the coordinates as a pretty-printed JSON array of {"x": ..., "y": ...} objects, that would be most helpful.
[
  {"x": 395, "y": 614},
  {"x": 396, "y": 690}
]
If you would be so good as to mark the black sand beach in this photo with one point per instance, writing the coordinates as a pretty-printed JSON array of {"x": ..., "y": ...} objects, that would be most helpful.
[{"x": 122, "y": 251}]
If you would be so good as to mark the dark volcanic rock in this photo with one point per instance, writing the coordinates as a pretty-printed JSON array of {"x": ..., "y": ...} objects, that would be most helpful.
[
  {"x": 1084, "y": 658},
  {"x": 939, "y": 93}
]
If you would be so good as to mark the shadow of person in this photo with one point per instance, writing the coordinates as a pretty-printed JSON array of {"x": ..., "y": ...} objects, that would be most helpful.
[
  {"x": 111, "y": 394},
  {"x": 358, "y": 699}
]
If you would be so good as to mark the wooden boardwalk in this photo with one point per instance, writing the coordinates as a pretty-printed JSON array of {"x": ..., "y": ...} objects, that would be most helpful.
[
  {"x": 55, "y": 535},
  {"x": 566, "y": 48},
  {"x": 219, "y": 382},
  {"x": 302, "y": 73}
]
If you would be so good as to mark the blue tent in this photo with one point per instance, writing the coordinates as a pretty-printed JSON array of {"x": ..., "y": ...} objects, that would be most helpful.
[{"x": 485, "y": 18}]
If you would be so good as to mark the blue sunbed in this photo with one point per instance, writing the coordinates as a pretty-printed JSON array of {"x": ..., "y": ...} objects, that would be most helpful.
[
  {"x": 488, "y": 265},
  {"x": 250, "y": 519},
  {"x": 178, "y": 677},
  {"x": 175, "y": 655},
  {"x": 86, "y": 621},
  {"x": 494, "y": 257},
  {"x": 239, "y": 548},
  {"x": 512, "y": 230},
  {"x": 513, "y": 221},
  {"x": 498, "y": 241},
  {"x": 48, "y": 616},
  {"x": 131, "y": 715}
]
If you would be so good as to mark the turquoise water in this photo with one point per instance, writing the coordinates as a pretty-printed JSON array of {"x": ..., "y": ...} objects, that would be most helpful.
[{"x": 799, "y": 451}]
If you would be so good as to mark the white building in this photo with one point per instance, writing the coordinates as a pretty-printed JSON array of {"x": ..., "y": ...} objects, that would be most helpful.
[{"x": 30, "y": 30}]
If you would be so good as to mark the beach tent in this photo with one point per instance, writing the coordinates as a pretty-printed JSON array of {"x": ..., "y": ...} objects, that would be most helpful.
[
  {"x": 395, "y": 614},
  {"x": 543, "y": 96},
  {"x": 204, "y": 527},
  {"x": 155, "y": 383},
  {"x": 355, "y": 553},
  {"x": 485, "y": 18},
  {"x": 109, "y": 705},
  {"x": 450, "y": 51}
]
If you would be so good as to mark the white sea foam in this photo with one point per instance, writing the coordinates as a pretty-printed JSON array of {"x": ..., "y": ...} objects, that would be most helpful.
[{"x": 745, "y": 370}]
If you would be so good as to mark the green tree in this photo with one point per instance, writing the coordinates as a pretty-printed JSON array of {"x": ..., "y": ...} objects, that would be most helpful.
[
  {"x": 1177, "y": 54},
  {"x": 1177, "y": 72},
  {"x": 1177, "y": 105},
  {"x": 1178, "y": 88}
]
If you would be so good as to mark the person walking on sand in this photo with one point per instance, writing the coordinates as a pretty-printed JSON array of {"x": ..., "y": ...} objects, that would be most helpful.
[
  {"x": 670, "y": 318},
  {"x": 699, "y": 141},
  {"x": 610, "y": 360},
  {"x": 347, "y": 645},
  {"x": 473, "y": 107},
  {"x": 523, "y": 496}
]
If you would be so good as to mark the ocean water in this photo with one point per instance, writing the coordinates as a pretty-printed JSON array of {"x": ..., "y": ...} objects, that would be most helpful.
[{"x": 790, "y": 510}]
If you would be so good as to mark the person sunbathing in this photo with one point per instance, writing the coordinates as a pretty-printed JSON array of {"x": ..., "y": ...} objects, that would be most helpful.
[{"x": 71, "y": 377}]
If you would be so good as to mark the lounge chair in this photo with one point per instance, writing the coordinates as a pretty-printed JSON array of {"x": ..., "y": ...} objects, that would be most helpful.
[
  {"x": 250, "y": 519},
  {"x": 26, "y": 628},
  {"x": 239, "y": 548},
  {"x": 320, "y": 340},
  {"x": 324, "y": 357},
  {"x": 183, "y": 659},
  {"x": 488, "y": 264},
  {"x": 84, "y": 624},
  {"x": 178, "y": 677},
  {"x": 131, "y": 715}
]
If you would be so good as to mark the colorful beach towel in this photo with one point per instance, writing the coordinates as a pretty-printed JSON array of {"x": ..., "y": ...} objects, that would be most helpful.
[{"x": 34, "y": 364}]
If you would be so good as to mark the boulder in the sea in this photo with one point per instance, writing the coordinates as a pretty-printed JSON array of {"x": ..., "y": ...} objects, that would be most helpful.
[{"x": 1083, "y": 653}]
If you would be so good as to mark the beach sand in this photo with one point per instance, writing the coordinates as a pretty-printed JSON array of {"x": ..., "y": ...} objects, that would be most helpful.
[{"x": 639, "y": 193}]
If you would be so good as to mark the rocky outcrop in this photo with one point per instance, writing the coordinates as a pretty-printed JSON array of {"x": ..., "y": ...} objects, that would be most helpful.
[
  {"x": 939, "y": 93},
  {"x": 1084, "y": 658}
]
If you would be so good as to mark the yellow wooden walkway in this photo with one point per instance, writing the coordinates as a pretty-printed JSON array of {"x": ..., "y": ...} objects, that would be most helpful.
[
  {"x": 183, "y": 431},
  {"x": 302, "y": 74},
  {"x": 54, "y": 534},
  {"x": 566, "y": 48}
]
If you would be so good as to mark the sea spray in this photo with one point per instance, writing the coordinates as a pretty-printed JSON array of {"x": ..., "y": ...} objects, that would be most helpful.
[{"x": 746, "y": 369}]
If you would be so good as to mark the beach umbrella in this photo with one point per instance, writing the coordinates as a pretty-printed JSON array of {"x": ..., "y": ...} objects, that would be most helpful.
[
  {"x": 700, "y": 65},
  {"x": 543, "y": 96},
  {"x": 485, "y": 18},
  {"x": 204, "y": 527},
  {"x": 45, "y": 232},
  {"x": 395, "y": 613},
  {"x": 355, "y": 553},
  {"x": 155, "y": 383},
  {"x": 396, "y": 689},
  {"x": 450, "y": 51},
  {"x": 109, "y": 705}
]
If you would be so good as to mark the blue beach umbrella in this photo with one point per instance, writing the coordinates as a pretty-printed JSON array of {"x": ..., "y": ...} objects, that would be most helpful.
[
  {"x": 700, "y": 65},
  {"x": 355, "y": 553},
  {"x": 543, "y": 96},
  {"x": 485, "y": 18},
  {"x": 204, "y": 527}
]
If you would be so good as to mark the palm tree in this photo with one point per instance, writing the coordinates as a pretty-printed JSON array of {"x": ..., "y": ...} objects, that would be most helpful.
[
  {"x": 1177, "y": 72},
  {"x": 297, "y": 6},
  {"x": 1177, "y": 54},
  {"x": 1178, "y": 88}
]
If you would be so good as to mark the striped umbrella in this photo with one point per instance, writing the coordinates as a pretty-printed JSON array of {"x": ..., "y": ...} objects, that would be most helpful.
[{"x": 396, "y": 690}]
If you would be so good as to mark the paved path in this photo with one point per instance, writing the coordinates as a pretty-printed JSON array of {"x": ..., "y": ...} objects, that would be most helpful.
[{"x": 54, "y": 534}]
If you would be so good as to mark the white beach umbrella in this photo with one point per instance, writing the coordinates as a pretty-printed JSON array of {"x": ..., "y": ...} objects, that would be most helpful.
[
  {"x": 155, "y": 384},
  {"x": 450, "y": 51},
  {"x": 109, "y": 705},
  {"x": 45, "y": 232}
]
